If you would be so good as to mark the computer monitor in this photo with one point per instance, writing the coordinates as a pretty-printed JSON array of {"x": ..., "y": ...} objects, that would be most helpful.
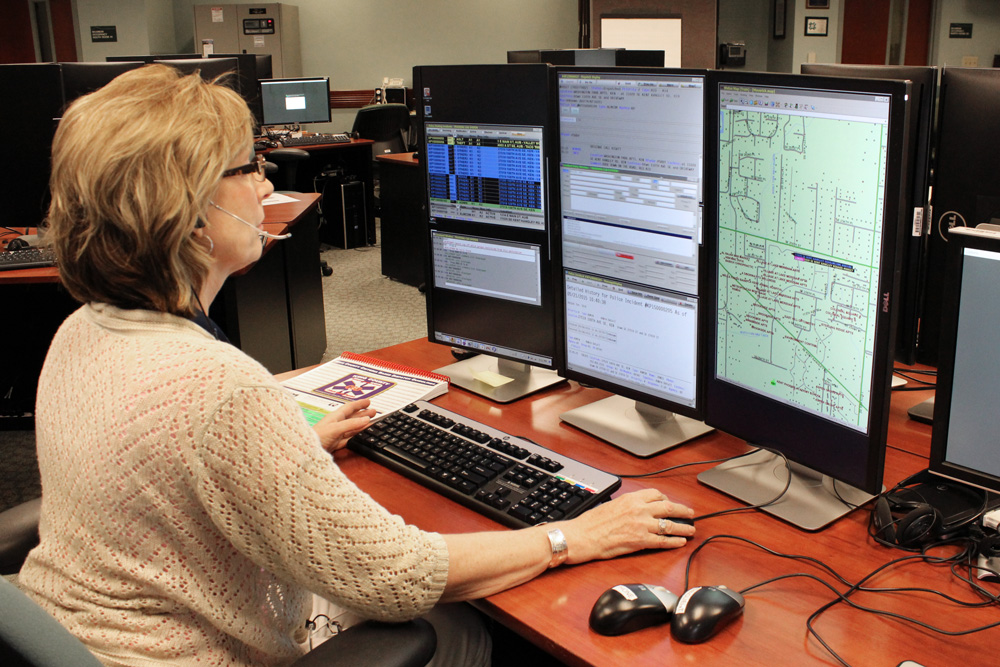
[
  {"x": 150, "y": 58},
  {"x": 82, "y": 78},
  {"x": 966, "y": 188},
  {"x": 801, "y": 243},
  {"x": 486, "y": 142},
  {"x": 920, "y": 147},
  {"x": 963, "y": 442},
  {"x": 210, "y": 69},
  {"x": 631, "y": 156},
  {"x": 295, "y": 101},
  {"x": 249, "y": 69},
  {"x": 265, "y": 66},
  {"x": 33, "y": 102}
]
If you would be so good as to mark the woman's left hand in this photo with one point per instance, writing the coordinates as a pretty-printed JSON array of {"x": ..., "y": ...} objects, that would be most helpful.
[{"x": 339, "y": 426}]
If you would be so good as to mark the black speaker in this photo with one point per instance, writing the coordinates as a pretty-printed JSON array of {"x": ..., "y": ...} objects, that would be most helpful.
[{"x": 344, "y": 212}]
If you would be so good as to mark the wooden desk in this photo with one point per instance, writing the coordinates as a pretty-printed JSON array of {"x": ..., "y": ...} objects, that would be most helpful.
[
  {"x": 354, "y": 158},
  {"x": 552, "y": 611},
  {"x": 404, "y": 227}
]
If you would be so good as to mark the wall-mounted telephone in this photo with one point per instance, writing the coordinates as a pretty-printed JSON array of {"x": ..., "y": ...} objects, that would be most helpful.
[{"x": 733, "y": 54}]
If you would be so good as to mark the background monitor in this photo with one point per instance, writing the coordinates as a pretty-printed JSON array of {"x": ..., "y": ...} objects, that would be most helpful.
[
  {"x": 295, "y": 101},
  {"x": 963, "y": 442},
  {"x": 264, "y": 64},
  {"x": 966, "y": 187},
  {"x": 801, "y": 241},
  {"x": 920, "y": 145},
  {"x": 149, "y": 58},
  {"x": 33, "y": 102},
  {"x": 631, "y": 156},
  {"x": 208, "y": 68},
  {"x": 82, "y": 78},
  {"x": 485, "y": 134},
  {"x": 250, "y": 68}
]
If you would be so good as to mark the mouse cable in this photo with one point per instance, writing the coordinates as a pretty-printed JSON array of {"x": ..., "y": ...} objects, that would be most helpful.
[
  {"x": 663, "y": 471},
  {"x": 859, "y": 586}
]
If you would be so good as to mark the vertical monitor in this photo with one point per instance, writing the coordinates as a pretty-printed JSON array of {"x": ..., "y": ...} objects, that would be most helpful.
[
  {"x": 295, "y": 101},
  {"x": 801, "y": 240},
  {"x": 631, "y": 184},
  {"x": 486, "y": 141},
  {"x": 920, "y": 142},
  {"x": 963, "y": 443},
  {"x": 966, "y": 190}
]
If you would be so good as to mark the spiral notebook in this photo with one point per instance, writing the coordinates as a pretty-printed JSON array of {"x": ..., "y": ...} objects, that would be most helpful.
[{"x": 352, "y": 377}]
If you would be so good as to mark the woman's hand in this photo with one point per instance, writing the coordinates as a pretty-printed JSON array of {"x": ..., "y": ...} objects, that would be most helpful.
[
  {"x": 339, "y": 426},
  {"x": 628, "y": 523}
]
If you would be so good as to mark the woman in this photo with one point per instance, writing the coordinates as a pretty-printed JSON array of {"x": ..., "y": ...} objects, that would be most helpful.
[{"x": 188, "y": 508}]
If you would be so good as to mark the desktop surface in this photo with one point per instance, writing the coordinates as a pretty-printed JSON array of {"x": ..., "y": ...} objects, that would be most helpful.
[{"x": 552, "y": 611}]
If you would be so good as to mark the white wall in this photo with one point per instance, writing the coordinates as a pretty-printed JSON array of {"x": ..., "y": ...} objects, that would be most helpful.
[
  {"x": 145, "y": 26},
  {"x": 357, "y": 42},
  {"x": 984, "y": 15},
  {"x": 747, "y": 21}
]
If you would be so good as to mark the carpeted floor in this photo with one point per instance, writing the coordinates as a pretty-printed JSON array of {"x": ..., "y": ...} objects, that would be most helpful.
[{"x": 364, "y": 311}]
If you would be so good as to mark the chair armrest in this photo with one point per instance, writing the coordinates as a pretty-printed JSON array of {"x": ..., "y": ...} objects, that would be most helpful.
[
  {"x": 18, "y": 534},
  {"x": 410, "y": 644}
]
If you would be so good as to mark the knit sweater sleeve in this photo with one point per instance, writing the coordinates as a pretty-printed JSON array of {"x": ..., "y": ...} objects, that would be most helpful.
[{"x": 269, "y": 486}]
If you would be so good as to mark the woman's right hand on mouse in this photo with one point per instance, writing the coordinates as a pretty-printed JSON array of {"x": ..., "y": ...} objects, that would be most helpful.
[{"x": 628, "y": 523}]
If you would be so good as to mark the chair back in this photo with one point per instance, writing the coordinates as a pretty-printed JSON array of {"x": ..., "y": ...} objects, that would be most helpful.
[
  {"x": 385, "y": 124},
  {"x": 29, "y": 636}
]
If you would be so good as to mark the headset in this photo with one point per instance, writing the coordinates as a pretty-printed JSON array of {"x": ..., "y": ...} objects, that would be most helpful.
[{"x": 903, "y": 518}]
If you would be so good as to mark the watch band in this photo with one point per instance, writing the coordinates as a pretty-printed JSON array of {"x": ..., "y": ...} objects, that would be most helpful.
[{"x": 560, "y": 551}]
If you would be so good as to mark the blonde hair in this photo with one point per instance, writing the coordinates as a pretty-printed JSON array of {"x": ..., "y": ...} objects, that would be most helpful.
[{"x": 134, "y": 165}]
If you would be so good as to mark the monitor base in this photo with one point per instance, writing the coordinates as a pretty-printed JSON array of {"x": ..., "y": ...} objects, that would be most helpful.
[
  {"x": 525, "y": 379},
  {"x": 640, "y": 429},
  {"x": 923, "y": 412},
  {"x": 812, "y": 501}
]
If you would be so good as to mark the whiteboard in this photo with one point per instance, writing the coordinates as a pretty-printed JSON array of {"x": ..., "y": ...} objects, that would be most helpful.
[{"x": 647, "y": 34}]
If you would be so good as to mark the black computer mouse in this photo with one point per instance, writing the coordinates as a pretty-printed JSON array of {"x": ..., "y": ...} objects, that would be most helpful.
[
  {"x": 630, "y": 607},
  {"x": 703, "y": 611}
]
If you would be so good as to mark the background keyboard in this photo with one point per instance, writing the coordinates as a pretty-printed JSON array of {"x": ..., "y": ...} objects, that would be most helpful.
[
  {"x": 315, "y": 140},
  {"x": 27, "y": 258},
  {"x": 509, "y": 479}
]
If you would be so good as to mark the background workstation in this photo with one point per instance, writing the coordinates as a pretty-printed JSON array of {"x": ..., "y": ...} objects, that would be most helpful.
[{"x": 828, "y": 540}]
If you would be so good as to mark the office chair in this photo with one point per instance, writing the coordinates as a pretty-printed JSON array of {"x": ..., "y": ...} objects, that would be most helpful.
[
  {"x": 385, "y": 124},
  {"x": 287, "y": 161},
  {"x": 282, "y": 166},
  {"x": 29, "y": 636}
]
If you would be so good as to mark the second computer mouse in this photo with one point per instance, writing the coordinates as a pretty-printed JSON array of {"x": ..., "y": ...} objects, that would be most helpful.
[
  {"x": 703, "y": 611},
  {"x": 629, "y": 607}
]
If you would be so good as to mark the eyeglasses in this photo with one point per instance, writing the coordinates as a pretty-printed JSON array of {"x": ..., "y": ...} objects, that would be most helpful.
[{"x": 256, "y": 168}]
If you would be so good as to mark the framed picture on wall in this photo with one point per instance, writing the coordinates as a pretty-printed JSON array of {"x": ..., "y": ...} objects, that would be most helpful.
[
  {"x": 779, "y": 19},
  {"x": 817, "y": 4},
  {"x": 817, "y": 26}
]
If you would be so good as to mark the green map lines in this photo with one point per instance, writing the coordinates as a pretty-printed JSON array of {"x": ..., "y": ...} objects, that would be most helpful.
[{"x": 800, "y": 229}]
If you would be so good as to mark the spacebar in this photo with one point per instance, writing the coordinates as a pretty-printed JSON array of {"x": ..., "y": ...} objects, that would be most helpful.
[{"x": 398, "y": 453}]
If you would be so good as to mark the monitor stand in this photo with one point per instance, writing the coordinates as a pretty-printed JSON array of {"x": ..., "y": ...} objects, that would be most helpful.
[
  {"x": 812, "y": 502},
  {"x": 476, "y": 375},
  {"x": 638, "y": 428},
  {"x": 923, "y": 412}
]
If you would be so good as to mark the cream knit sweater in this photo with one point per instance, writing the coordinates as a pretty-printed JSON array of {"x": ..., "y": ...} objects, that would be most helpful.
[{"x": 188, "y": 508}]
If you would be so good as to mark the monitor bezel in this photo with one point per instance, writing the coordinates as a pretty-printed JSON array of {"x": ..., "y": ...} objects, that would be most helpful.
[
  {"x": 260, "y": 90},
  {"x": 831, "y": 449},
  {"x": 697, "y": 411},
  {"x": 937, "y": 462}
]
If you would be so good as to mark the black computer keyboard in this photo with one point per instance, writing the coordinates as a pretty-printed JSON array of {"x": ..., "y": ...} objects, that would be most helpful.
[
  {"x": 509, "y": 479},
  {"x": 315, "y": 140},
  {"x": 27, "y": 258}
]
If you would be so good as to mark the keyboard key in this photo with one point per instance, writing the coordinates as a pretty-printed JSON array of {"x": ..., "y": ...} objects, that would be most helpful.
[{"x": 500, "y": 476}]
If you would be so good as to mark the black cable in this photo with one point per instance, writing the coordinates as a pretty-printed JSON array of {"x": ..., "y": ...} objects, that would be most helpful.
[{"x": 956, "y": 560}]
